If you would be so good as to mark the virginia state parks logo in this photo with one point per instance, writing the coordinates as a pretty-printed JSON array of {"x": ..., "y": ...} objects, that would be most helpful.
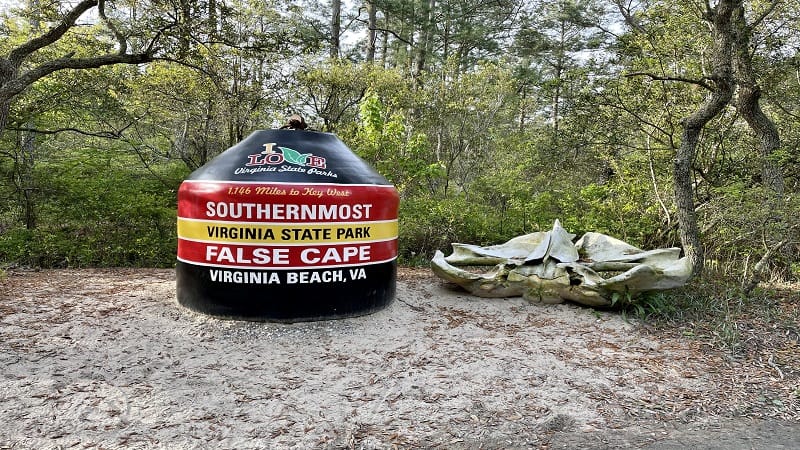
[
  {"x": 285, "y": 155},
  {"x": 275, "y": 158}
]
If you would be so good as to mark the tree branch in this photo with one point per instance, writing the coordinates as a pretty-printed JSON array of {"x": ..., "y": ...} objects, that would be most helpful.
[
  {"x": 211, "y": 75},
  {"x": 18, "y": 84},
  {"x": 123, "y": 43},
  {"x": 629, "y": 17},
  {"x": 17, "y": 55},
  {"x": 783, "y": 108},
  {"x": 620, "y": 105},
  {"x": 386, "y": 30},
  {"x": 101, "y": 134},
  {"x": 356, "y": 18},
  {"x": 761, "y": 266},
  {"x": 655, "y": 77},
  {"x": 772, "y": 5}
]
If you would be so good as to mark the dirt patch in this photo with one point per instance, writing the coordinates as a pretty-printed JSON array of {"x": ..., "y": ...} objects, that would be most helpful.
[{"x": 107, "y": 358}]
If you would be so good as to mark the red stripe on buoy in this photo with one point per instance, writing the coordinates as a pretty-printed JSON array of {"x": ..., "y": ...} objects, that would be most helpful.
[
  {"x": 286, "y": 257},
  {"x": 281, "y": 202}
]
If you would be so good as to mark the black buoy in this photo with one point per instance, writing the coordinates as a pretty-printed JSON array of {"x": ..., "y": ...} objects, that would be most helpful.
[{"x": 287, "y": 226}]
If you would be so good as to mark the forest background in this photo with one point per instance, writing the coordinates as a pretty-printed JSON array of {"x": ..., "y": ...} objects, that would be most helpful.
[{"x": 663, "y": 123}]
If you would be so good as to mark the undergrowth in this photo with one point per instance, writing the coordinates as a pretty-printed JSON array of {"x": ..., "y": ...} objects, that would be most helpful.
[{"x": 716, "y": 310}]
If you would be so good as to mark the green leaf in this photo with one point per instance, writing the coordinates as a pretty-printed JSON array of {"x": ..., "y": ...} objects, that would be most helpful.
[{"x": 293, "y": 156}]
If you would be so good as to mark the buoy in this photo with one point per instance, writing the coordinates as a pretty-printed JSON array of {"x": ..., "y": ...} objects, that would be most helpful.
[{"x": 288, "y": 225}]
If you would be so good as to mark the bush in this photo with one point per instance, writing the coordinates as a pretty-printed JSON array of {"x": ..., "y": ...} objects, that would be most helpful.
[
  {"x": 102, "y": 212},
  {"x": 428, "y": 224}
]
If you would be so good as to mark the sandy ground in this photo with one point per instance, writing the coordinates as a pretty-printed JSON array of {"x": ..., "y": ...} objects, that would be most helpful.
[{"x": 107, "y": 358}]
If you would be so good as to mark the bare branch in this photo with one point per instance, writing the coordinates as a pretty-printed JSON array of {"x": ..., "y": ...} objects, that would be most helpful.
[
  {"x": 385, "y": 30},
  {"x": 628, "y": 16},
  {"x": 758, "y": 270},
  {"x": 101, "y": 134},
  {"x": 783, "y": 108},
  {"x": 353, "y": 19},
  {"x": 772, "y": 5},
  {"x": 653, "y": 76}
]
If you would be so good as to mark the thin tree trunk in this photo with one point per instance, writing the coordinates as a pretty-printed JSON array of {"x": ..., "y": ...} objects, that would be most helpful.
[
  {"x": 372, "y": 19},
  {"x": 5, "y": 106},
  {"x": 385, "y": 40},
  {"x": 761, "y": 266},
  {"x": 423, "y": 45},
  {"x": 336, "y": 27},
  {"x": 26, "y": 181},
  {"x": 186, "y": 25},
  {"x": 212, "y": 20},
  {"x": 559, "y": 71}
]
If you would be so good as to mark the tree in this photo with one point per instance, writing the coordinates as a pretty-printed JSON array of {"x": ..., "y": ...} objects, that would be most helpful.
[
  {"x": 721, "y": 92},
  {"x": 332, "y": 91},
  {"x": 372, "y": 24},
  {"x": 463, "y": 118},
  {"x": 424, "y": 34},
  {"x": 748, "y": 101},
  {"x": 729, "y": 79},
  {"x": 552, "y": 39},
  {"x": 19, "y": 70},
  {"x": 46, "y": 39}
]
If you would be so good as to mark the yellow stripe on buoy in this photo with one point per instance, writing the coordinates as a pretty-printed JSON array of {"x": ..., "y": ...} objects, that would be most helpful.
[{"x": 310, "y": 233}]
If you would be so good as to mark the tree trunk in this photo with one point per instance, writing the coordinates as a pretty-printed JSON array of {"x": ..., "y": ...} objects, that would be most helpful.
[
  {"x": 384, "y": 43},
  {"x": 212, "y": 20},
  {"x": 761, "y": 266},
  {"x": 749, "y": 107},
  {"x": 5, "y": 106},
  {"x": 423, "y": 44},
  {"x": 372, "y": 19},
  {"x": 185, "y": 39},
  {"x": 336, "y": 27},
  {"x": 715, "y": 103},
  {"x": 27, "y": 185},
  {"x": 558, "y": 72}
]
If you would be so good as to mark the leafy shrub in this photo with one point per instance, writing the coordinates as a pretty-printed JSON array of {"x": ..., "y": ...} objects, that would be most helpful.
[{"x": 100, "y": 212}]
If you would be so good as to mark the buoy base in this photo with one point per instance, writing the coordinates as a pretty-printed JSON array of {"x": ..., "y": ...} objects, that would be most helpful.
[{"x": 286, "y": 296}]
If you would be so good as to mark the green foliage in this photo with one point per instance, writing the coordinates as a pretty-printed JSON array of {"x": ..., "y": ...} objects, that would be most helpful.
[
  {"x": 384, "y": 140},
  {"x": 429, "y": 224},
  {"x": 651, "y": 305},
  {"x": 745, "y": 223},
  {"x": 624, "y": 210},
  {"x": 333, "y": 90},
  {"x": 99, "y": 210},
  {"x": 567, "y": 124}
]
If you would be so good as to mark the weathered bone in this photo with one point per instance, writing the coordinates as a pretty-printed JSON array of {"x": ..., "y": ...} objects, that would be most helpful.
[{"x": 547, "y": 267}]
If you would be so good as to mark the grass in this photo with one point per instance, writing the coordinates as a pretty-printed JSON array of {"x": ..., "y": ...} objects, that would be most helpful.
[{"x": 716, "y": 310}]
